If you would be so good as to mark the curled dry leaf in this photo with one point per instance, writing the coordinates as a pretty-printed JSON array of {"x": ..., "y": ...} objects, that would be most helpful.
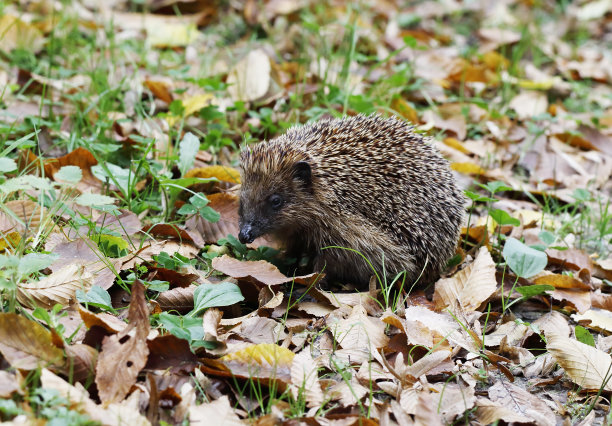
[
  {"x": 217, "y": 412},
  {"x": 588, "y": 367},
  {"x": 26, "y": 344},
  {"x": 59, "y": 287},
  {"x": 124, "y": 354},
  {"x": 260, "y": 271},
  {"x": 469, "y": 288}
]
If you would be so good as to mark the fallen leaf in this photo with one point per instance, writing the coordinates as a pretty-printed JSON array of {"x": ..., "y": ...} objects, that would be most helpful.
[
  {"x": 264, "y": 361},
  {"x": 124, "y": 354},
  {"x": 59, "y": 287},
  {"x": 469, "y": 288},
  {"x": 218, "y": 412},
  {"x": 250, "y": 78},
  {"x": 588, "y": 367},
  {"x": 305, "y": 379},
  {"x": 522, "y": 403},
  {"x": 261, "y": 271},
  {"x": 359, "y": 331},
  {"x": 529, "y": 104},
  {"x": 26, "y": 344}
]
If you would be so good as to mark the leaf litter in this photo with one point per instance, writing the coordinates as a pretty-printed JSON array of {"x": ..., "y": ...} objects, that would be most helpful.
[{"x": 137, "y": 309}]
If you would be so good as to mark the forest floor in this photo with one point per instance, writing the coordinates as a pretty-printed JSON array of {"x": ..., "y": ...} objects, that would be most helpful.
[{"x": 126, "y": 297}]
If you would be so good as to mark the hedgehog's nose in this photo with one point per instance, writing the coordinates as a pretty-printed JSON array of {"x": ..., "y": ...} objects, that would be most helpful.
[{"x": 246, "y": 234}]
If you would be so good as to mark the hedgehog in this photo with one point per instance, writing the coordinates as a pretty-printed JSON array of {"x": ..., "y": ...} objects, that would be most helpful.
[{"x": 359, "y": 196}]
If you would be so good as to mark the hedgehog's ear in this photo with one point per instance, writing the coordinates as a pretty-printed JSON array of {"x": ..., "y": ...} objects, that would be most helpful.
[{"x": 302, "y": 172}]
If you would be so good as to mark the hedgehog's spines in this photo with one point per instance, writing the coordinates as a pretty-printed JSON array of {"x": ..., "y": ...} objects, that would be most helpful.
[{"x": 376, "y": 186}]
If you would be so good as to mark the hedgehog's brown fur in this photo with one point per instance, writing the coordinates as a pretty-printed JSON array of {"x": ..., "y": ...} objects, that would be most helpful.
[{"x": 365, "y": 183}]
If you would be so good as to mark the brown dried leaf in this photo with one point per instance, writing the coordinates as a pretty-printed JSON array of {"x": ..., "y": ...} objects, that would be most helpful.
[
  {"x": 305, "y": 379},
  {"x": 28, "y": 212},
  {"x": 581, "y": 300},
  {"x": 124, "y": 354},
  {"x": 59, "y": 287},
  {"x": 521, "y": 402},
  {"x": 469, "y": 288},
  {"x": 81, "y": 158},
  {"x": 597, "y": 319},
  {"x": 489, "y": 412},
  {"x": 26, "y": 344},
  {"x": 111, "y": 415},
  {"x": 168, "y": 352},
  {"x": 179, "y": 299},
  {"x": 261, "y": 330},
  {"x": 260, "y": 271},
  {"x": 360, "y": 331},
  {"x": 81, "y": 361},
  {"x": 561, "y": 281},
  {"x": 588, "y": 367}
]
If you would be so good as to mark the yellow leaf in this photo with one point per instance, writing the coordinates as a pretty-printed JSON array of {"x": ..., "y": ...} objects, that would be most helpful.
[
  {"x": 16, "y": 33},
  {"x": 192, "y": 105},
  {"x": 223, "y": 173},
  {"x": 456, "y": 144},
  {"x": 171, "y": 34},
  {"x": 10, "y": 240},
  {"x": 262, "y": 361},
  {"x": 468, "y": 168}
]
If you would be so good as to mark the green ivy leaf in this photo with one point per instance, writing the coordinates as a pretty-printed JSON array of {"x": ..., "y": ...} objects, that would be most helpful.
[
  {"x": 534, "y": 290},
  {"x": 522, "y": 259},
  {"x": 502, "y": 217},
  {"x": 212, "y": 295},
  {"x": 583, "y": 335}
]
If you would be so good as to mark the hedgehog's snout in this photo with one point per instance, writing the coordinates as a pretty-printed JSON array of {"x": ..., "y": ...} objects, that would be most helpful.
[{"x": 247, "y": 233}]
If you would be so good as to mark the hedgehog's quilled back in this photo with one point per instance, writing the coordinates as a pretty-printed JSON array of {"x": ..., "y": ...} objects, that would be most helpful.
[{"x": 365, "y": 183}]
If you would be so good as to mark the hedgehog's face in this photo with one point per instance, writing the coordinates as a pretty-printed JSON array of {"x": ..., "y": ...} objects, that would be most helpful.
[{"x": 268, "y": 206}]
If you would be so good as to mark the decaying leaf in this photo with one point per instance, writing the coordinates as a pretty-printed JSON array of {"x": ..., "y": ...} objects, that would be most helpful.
[
  {"x": 263, "y": 361},
  {"x": 260, "y": 270},
  {"x": 588, "y": 367},
  {"x": 26, "y": 344},
  {"x": 250, "y": 79},
  {"x": 218, "y": 412},
  {"x": 124, "y": 354},
  {"x": 470, "y": 287},
  {"x": 59, "y": 287}
]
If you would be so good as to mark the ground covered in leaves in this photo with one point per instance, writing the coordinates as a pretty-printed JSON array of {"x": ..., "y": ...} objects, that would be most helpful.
[{"x": 127, "y": 299}]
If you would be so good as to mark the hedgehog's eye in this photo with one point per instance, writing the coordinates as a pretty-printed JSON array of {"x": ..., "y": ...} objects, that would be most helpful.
[{"x": 276, "y": 201}]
